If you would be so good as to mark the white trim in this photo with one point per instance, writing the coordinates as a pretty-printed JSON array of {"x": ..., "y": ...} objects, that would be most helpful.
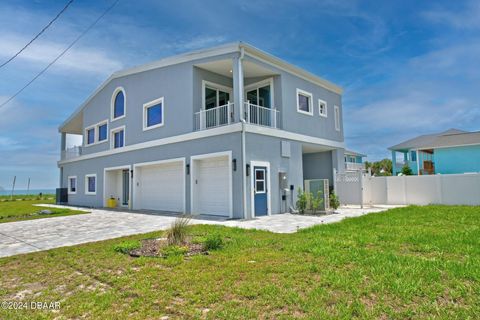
[
  {"x": 69, "y": 184},
  {"x": 305, "y": 94},
  {"x": 254, "y": 164},
  {"x": 215, "y": 86},
  {"x": 88, "y": 193},
  {"x": 129, "y": 167},
  {"x": 112, "y": 104},
  {"x": 260, "y": 84},
  {"x": 230, "y": 176},
  {"x": 112, "y": 137},
  {"x": 336, "y": 114},
  {"x": 236, "y": 127},
  {"x": 95, "y": 133},
  {"x": 151, "y": 104},
  {"x": 158, "y": 162},
  {"x": 320, "y": 102}
]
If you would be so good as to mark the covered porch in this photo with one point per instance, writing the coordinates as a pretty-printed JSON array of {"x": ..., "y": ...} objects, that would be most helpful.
[{"x": 420, "y": 161}]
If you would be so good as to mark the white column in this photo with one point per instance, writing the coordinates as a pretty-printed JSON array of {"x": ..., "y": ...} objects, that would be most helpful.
[{"x": 237, "y": 70}]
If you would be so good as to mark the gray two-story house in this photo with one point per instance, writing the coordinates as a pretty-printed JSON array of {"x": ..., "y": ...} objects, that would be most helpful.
[{"x": 229, "y": 131}]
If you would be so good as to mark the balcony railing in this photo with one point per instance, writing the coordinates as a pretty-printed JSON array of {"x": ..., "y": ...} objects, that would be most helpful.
[
  {"x": 261, "y": 116},
  {"x": 71, "y": 153},
  {"x": 214, "y": 117},
  {"x": 352, "y": 166}
]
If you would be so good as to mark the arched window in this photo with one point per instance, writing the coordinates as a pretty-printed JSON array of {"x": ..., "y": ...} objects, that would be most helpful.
[{"x": 118, "y": 104}]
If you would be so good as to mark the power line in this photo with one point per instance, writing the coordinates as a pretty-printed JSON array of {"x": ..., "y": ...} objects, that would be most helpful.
[
  {"x": 60, "y": 55},
  {"x": 39, "y": 34}
]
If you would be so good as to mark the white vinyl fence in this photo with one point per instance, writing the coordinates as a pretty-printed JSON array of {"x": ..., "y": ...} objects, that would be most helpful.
[{"x": 450, "y": 189}]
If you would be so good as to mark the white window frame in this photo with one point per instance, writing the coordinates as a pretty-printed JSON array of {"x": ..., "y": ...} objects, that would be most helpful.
[
  {"x": 258, "y": 85},
  {"x": 112, "y": 104},
  {"x": 336, "y": 112},
  {"x": 112, "y": 137},
  {"x": 70, "y": 185},
  {"x": 217, "y": 87},
  {"x": 145, "y": 108},
  {"x": 310, "y": 96},
  {"x": 324, "y": 103},
  {"x": 263, "y": 180},
  {"x": 88, "y": 193},
  {"x": 95, "y": 133}
]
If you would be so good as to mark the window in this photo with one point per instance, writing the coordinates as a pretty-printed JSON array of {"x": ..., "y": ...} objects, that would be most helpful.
[
  {"x": 102, "y": 132},
  {"x": 215, "y": 95},
  {"x": 304, "y": 102},
  {"x": 259, "y": 180},
  {"x": 413, "y": 156},
  {"x": 118, "y": 104},
  {"x": 72, "y": 185},
  {"x": 91, "y": 136},
  {"x": 153, "y": 114},
  {"x": 118, "y": 137},
  {"x": 337, "y": 117},
  {"x": 91, "y": 184},
  {"x": 322, "y": 108}
]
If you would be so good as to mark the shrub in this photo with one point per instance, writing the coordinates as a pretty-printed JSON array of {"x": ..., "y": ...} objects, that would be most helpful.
[
  {"x": 127, "y": 246},
  {"x": 406, "y": 170},
  {"x": 170, "y": 251},
  {"x": 334, "y": 201},
  {"x": 302, "y": 201},
  {"x": 213, "y": 242},
  {"x": 178, "y": 231},
  {"x": 316, "y": 202}
]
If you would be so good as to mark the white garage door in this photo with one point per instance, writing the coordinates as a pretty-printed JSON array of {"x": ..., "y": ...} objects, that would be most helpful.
[
  {"x": 212, "y": 186},
  {"x": 161, "y": 187}
]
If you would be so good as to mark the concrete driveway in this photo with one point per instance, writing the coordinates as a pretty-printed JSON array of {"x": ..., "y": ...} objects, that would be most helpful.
[{"x": 43, "y": 234}]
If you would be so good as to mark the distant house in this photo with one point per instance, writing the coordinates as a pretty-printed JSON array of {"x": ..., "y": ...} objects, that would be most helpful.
[
  {"x": 452, "y": 151},
  {"x": 354, "y": 161}
]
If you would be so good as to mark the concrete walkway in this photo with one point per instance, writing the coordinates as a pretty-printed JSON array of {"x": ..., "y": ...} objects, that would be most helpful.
[{"x": 43, "y": 234}]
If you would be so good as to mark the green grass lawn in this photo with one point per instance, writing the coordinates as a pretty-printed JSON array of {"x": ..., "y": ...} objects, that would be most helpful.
[
  {"x": 414, "y": 262},
  {"x": 17, "y": 210}
]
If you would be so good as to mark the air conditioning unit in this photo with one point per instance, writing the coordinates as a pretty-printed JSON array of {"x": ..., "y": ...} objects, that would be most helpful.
[{"x": 319, "y": 185}]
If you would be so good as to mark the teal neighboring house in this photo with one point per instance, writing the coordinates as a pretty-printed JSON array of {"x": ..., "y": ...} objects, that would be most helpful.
[
  {"x": 354, "y": 161},
  {"x": 451, "y": 151}
]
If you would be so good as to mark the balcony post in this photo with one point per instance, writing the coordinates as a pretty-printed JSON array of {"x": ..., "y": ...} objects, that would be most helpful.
[
  {"x": 394, "y": 163},
  {"x": 237, "y": 70}
]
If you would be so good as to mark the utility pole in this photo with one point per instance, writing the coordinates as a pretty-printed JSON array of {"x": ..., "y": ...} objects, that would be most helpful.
[
  {"x": 28, "y": 186},
  {"x": 13, "y": 186}
]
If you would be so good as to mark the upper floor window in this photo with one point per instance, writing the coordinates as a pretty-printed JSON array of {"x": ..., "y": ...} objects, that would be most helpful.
[
  {"x": 102, "y": 132},
  {"x": 72, "y": 185},
  {"x": 91, "y": 136},
  {"x": 304, "y": 102},
  {"x": 118, "y": 104},
  {"x": 336, "y": 111},
  {"x": 118, "y": 137},
  {"x": 322, "y": 108},
  {"x": 215, "y": 95},
  {"x": 153, "y": 114},
  {"x": 91, "y": 184}
]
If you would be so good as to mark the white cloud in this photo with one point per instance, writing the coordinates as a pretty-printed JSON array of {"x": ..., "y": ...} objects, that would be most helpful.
[{"x": 467, "y": 18}]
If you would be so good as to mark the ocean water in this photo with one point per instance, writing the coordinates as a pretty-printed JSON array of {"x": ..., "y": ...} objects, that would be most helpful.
[{"x": 31, "y": 191}]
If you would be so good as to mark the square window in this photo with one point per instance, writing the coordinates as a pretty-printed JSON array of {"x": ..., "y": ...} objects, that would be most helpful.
[
  {"x": 91, "y": 136},
  {"x": 260, "y": 186},
  {"x": 102, "y": 132},
  {"x": 259, "y": 174},
  {"x": 118, "y": 139},
  {"x": 154, "y": 115},
  {"x": 304, "y": 102}
]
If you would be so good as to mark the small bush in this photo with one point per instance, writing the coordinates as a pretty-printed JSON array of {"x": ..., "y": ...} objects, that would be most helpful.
[
  {"x": 302, "y": 201},
  {"x": 334, "y": 201},
  {"x": 178, "y": 232},
  {"x": 170, "y": 251},
  {"x": 316, "y": 202},
  {"x": 213, "y": 242},
  {"x": 127, "y": 246},
  {"x": 406, "y": 170}
]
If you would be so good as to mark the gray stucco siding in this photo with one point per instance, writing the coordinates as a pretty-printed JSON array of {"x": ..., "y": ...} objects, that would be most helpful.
[
  {"x": 318, "y": 165},
  {"x": 227, "y": 142}
]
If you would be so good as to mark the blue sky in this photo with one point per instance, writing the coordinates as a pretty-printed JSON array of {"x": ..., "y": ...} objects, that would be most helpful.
[{"x": 407, "y": 67}]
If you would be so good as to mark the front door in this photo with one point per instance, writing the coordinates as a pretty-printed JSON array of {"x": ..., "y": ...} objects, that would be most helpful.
[
  {"x": 260, "y": 191},
  {"x": 125, "y": 187}
]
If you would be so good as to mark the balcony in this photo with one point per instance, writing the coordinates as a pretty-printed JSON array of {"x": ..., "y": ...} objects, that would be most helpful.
[
  {"x": 225, "y": 115},
  {"x": 71, "y": 153},
  {"x": 352, "y": 166}
]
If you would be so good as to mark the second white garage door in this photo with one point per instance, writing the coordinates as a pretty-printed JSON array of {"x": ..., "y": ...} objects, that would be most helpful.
[
  {"x": 161, "y": 187},
  {"x": 212, "y": 186}
]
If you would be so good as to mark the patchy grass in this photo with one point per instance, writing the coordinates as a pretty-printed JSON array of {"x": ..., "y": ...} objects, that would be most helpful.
[
  {"x": 17, "y": 210},
  {"x": 414, "y": 262}
]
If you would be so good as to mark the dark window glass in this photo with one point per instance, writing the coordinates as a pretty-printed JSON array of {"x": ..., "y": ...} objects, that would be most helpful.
[
  {"x": 223, "y": 98},
  {"x": 119, "y": 105},
  {"x": 90, "y": 136},
  {"x": 102, "y": 132},
  {"x": 154, "y": 115},
  {"x": 91, "y": 184},
  {"x": 259, "y": 174},
  {"x": 118, "y": 139},
  {"x": 252, "y": 96},
  {"x": 264, "y": 97},
  {"x": 260, "y": 186},
  {"x": 73, "y": 184},
  {"x": 210, "y": 98},
  {"x": 304, "y": 103}
]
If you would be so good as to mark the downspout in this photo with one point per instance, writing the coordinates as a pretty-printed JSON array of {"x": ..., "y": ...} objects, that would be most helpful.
[{"x": 244, "y": 158}]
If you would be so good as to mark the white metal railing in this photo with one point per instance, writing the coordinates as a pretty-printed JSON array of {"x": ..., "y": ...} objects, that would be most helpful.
[
  {"x": 214, "y": 117},
  {"x": 352, "y": 166},
  {"x": 260, "y": 115},
  {"x": 71, "y": 153}
]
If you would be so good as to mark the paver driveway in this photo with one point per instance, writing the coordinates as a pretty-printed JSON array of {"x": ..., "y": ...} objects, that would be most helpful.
[{"x": 43, "y": 234}]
